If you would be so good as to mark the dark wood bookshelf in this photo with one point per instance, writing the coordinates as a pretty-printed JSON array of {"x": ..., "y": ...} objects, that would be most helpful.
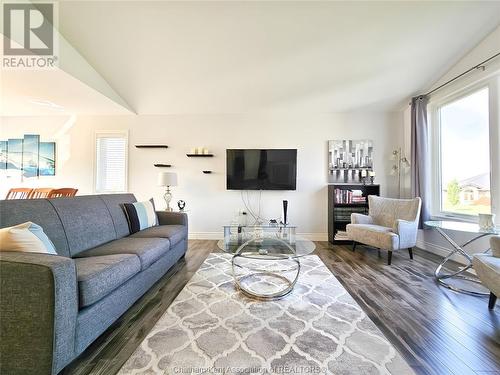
[{"x": 339, "y": 213}]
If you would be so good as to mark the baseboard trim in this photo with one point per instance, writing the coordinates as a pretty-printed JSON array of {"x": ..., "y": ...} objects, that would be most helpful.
[
  {"x": 220, "y": 236},
  {"x": 438, "y": 250}
]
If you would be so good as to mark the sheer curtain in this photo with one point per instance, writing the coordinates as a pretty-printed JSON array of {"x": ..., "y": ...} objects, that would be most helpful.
[{"x": 420, "y": 154}]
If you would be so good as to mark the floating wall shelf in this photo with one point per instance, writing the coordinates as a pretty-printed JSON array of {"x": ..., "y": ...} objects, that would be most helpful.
[
  {"x": 159, "y": 165},
  {"x": 151, "y": 146},
  {"x": 199, "y": 155},
  {"x": 207, "y": 172}
]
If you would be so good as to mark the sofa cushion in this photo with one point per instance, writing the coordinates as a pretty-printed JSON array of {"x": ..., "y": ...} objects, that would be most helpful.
[
  {"x": 175, "y": 233},
  {"x": 86, "y": 221},
  {"x": 149, "y": 250},
  {"x": 114, "y": 203},
  {"x": 373, "y": 235},
  {"x": 100, "y": 275}
]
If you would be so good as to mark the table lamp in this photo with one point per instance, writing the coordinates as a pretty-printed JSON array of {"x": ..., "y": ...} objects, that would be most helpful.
[{"x": 167, "y": 179}]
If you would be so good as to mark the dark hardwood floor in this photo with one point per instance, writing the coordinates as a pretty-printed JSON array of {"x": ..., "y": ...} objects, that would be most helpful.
[{"x": 436, "y": 330}]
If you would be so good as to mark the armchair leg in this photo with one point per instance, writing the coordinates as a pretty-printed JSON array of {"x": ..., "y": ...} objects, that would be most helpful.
[
  {"x": 493, "y": 300},
  {"x": 354, "y": 245},
  {"x": 378, "y": 251},
  {"x": 389, "y": 257},
  {"x": 410, "y": 251}
]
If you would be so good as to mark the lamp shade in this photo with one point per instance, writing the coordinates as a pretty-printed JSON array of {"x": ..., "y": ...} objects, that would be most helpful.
[{"x": 167, "y": 179}]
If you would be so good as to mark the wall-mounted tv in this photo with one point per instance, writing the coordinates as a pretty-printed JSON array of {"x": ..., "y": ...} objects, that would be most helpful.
[{"x": 268, "y": 169}]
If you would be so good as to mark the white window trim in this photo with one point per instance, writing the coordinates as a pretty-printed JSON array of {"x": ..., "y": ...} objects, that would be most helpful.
[
  {"x": 492, "y": 82},
  {"x": 101, "y": 133}
]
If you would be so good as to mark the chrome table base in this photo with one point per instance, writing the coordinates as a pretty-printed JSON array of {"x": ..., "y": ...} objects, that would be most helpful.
[{"x": 458, "y": 250}]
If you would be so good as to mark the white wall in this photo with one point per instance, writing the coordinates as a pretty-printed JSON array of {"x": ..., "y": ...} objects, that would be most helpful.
[{"x": 210, "y": 204}]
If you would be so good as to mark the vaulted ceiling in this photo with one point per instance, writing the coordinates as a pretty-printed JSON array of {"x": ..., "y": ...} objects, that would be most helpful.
[{"x": 236, "y": 57}]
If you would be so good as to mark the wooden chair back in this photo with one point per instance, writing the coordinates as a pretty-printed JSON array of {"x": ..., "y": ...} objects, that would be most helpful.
[
  {"x": 64, "y": 192},
  {"x": 19, "y": 193},
  {"x": 40, "y": 193}
]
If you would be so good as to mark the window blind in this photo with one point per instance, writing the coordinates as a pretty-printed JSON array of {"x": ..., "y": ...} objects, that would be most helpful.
[{"x": 111, "y": 163}]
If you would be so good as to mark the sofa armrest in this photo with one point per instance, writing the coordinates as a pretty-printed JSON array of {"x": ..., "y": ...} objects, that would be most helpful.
[
  {"x": 361, "y": 219},
  {"x": 172, "y": 218},
  {"x": 407, "y": 231},
  {"x": 38, "y": 309}
]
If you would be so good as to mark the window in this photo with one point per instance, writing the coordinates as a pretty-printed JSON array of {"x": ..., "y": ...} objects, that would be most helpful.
[
  {"x": 111, "y": 162},
  {"x": 464, "y": 155}
]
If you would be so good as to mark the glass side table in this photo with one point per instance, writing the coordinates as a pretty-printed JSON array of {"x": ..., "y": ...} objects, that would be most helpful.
[{"x": 441, "y": 227}]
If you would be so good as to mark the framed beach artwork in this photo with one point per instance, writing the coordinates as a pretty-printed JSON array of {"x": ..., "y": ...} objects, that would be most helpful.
[{"x": 28, "y": 157}]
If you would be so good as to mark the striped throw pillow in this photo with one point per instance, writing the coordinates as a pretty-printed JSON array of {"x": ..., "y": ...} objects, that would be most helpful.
[
  {"x": 26, "y": 237},
  {"x": 141, "y": 215}
]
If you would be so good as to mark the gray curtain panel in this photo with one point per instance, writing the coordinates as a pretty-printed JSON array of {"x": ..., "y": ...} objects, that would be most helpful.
[{"x": 420, "y": 165}]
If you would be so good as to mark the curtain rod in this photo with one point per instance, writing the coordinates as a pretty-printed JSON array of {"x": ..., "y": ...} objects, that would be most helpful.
[{"x": 480, "y": 65}]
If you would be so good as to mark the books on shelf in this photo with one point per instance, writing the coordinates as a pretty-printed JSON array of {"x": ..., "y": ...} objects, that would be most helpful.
[
  {"x": 347, "y": 196},
  {"x": 341, "y": 236}
]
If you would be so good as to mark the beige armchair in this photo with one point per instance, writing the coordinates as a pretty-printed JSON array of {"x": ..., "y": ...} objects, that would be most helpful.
[
  {"x": 487, "y": 268},
  {"x": 391, "y": 224}
]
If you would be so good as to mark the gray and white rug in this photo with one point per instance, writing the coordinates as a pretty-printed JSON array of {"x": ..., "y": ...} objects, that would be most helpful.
[{"x": 212, "y": 328}]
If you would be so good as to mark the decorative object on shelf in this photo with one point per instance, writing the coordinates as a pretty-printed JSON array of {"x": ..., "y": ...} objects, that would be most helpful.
[
  {"x": 167, "y": 179},
  {"x": 207, "y": 172},
  {"x": 28, "y": 155},
  {"x": 151, "y": 146},
  {"x": 181, "y": 204},
  {"x": 372, "y": 177},
  {"x": 486, "y": 221},
  {"x": 198, "y": 151},
  {"x": 349, "y": 161},
  {"x": 159, "y": 165},
  {"x": 400, "y": 167}
]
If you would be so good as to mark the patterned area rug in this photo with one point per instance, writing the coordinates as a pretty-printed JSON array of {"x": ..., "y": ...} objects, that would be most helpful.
[{"x": 212, "y": 328}]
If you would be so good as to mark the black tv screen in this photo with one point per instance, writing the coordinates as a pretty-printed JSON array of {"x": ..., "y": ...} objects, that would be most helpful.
[{"x": 251, "y": 169}]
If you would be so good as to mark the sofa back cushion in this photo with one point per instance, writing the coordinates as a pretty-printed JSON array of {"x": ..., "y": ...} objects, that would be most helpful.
[
  {"x": 114, "y": 203},
  {"x": 38, "y": 211},
  {"x": 86, "y": 221}
]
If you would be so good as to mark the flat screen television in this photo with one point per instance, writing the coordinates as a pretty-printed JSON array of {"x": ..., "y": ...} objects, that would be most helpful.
[{"x": 252, "y": 169}]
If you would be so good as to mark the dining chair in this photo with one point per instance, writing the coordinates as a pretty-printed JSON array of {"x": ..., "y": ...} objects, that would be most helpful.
[
  {"x": 19, "y": 193},
  {"x": 40, "y": 193},
  {"x": 64, "y": 192}
]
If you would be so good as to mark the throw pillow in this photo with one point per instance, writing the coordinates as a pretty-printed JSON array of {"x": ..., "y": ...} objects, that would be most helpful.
[
  {"x": 141, "y": 215},
  {"x": 27, "y": 237}
]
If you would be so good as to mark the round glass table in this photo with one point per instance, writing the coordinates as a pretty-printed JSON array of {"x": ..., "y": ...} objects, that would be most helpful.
[
  {"x": 442, "y": 227},
  {"x": 267, "y": 266}
]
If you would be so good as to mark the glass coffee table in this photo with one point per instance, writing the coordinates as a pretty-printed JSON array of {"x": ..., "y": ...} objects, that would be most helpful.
[
  {"x": 267, "y": 264},
  {"x": 442, "y": 227}
]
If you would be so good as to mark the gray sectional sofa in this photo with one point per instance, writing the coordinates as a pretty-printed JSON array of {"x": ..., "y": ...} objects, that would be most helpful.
[{"x": 52, "y": 307}]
